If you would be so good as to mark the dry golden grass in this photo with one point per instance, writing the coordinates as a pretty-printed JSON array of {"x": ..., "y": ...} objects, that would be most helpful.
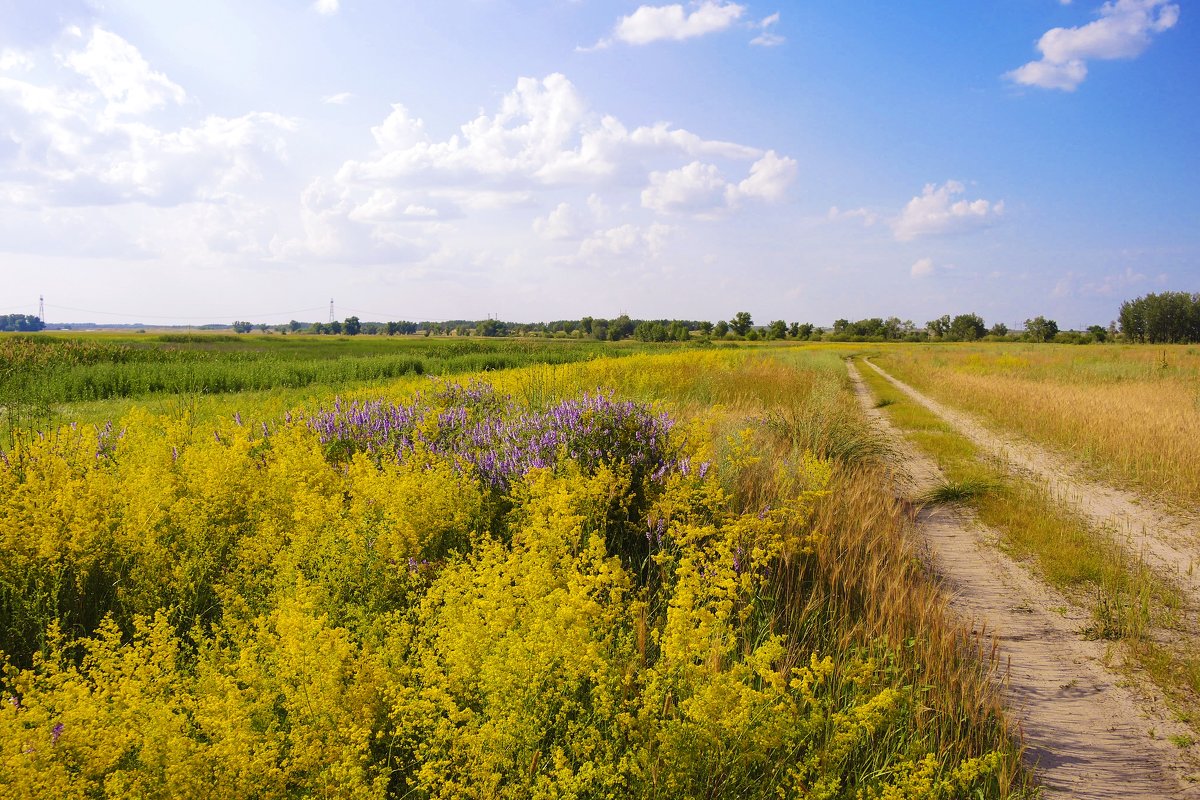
[{"x": 1130, "y": 414}]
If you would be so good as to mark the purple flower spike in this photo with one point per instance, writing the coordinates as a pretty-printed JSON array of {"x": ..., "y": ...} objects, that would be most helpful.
[{"x": 56, "y": 732}]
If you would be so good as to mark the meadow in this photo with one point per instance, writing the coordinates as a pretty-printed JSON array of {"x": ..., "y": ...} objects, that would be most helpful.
[
  {"x": 678, "y": 573},
  {"x": 1129, "y": 414},
  {"x": 1123, "y": 415}
]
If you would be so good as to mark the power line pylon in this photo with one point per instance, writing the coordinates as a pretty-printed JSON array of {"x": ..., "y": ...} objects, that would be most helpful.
[
  {"x": 42, "y": 309},
  {"x": 331, "y": 311}
]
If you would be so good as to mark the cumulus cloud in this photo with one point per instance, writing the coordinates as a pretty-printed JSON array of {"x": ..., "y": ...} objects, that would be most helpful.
[
  {"x": 937, "y": 211},
  {"x": 544, "y": 139},
  {"x": 625, "y": 241},
  {"x": 767, "y": 37},
  {"x": 326, "y": 7},
  {"x": 867, "y": 216},
  {"x": 544, "y": 135},
  {"x": 701, "y": 190},
  {"x": 93, "y": 143},
  {"x": 673, "y": 23},
  {"x": 561, "y": 223},
  {"x": 116, "y": 68},
  {"x": 769, "y": 177},
  {"x": 1124, "y": 29},
  {"x": 695, "y": 188},
  {"x": 340, "y": 229},
  {"x": 923, "y": 268},
  {"x": 15, "y": 60}
]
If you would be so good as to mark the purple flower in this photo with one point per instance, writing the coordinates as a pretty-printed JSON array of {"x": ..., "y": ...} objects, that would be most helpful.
[{"x": 56, "y": 732}]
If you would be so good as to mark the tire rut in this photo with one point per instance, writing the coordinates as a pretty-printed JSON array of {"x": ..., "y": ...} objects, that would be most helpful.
[
  {"x": 1168, "y": 542},
  {"x": 1086, "y": 734}
]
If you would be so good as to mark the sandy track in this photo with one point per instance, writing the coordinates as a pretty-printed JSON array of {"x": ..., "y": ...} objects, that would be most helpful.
[
  {"x": 1087, "y": 734},
  {"x": 1168, "y": 542}
]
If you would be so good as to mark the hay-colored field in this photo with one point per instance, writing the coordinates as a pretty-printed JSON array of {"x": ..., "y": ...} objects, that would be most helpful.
[{"x": 1129, "y": 414}]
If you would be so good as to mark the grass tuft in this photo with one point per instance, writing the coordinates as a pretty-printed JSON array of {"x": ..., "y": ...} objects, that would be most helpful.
[{"x": 958, "y": 491}]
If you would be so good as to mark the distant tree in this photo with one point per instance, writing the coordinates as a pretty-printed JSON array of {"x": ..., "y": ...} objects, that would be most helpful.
[
  {"x": 938, "y": 327},
  {"x": 678, "y": 331},
  {"x": 1098, "y": 332},
  {"x": 620, "y": 328},
  {"x": 741, "y": 323},
  {"x": 805, "y": 330},
  {"x": 1169, "y": 317},
  {"x": 777, "y": 330},
  {"x": 706, "y": 328},
  {"x": 243, "y": 327},
  {"x": 25, "y": 323},
  {"x": 491, "y": 327},
  {"x": 335, "y": 328},
  {"x": 1040, "y": 329},
  {"x": 650, "y": 332},
  {"x": 600, "y": 329},
  {"x": 352, "y": 326},
  {"x": 967, "y": 327},
  {"x": 752, "y": 335},
  {"x": 720, "y": 329},
  {"x": 316, "y": 327},
  {"x": 295, "y": 325},
  {"x": 998, "y": 330}
]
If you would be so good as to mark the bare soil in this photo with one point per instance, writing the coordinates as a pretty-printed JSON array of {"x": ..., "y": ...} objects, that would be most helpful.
[{"x": 1088, "y": 731}]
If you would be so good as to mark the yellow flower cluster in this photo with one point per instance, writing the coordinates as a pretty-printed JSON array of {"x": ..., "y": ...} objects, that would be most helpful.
[{"x": 190, "y": 612}]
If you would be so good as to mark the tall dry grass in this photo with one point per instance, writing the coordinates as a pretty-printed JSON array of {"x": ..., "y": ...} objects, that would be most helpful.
[{"x": 1130, "y": 415}]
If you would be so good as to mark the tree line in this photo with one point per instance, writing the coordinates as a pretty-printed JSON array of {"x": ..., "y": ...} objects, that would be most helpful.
[
  {"x": 24, "y": 323},
  {"x": 1167, "y": 318}
]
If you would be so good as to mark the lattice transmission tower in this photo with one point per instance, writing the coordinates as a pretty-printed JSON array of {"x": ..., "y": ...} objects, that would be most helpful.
[
  {"x": 331, "y": 310},
  {"x": 42, "y": 309}
]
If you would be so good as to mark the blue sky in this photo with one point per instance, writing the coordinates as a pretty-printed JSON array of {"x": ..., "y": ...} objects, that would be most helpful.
[{"x": 194, "y": 162}]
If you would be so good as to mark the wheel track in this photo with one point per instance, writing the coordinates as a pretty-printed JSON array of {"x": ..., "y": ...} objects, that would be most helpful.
[
  {"x": 1168, "y": 542},
  {"x": 1087, "y": 735}
]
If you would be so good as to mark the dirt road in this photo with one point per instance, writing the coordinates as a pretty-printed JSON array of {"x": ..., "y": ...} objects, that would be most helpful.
[
  {"x": 1167, "y": 541},
  {"x": 1088, "y": 734}
]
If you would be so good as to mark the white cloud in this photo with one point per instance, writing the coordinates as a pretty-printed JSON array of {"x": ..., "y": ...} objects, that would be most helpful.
[
  {"x": 1124, "y": 30},
  {"x": 542, "y": 135},
  {"x": 673, "y": 23},
  {"x": 767, "y": 37},
  {"x": 96, "y": 144},
  {"x": 693, "y": 189},
  {"x": 541, "y": 139},
  {"x": 867, "y": 216},
  {"x": 326, "y": 7},
  {"x": 11, "y": 60},
  {"x": 337, "y": 229},
  {"x": 769, "y": 177},
  {"x": 625, "y": 241},
  {"x": 118, "y": 71},
  {"x": 341, "y": 98},
  {"x": 700, "y": 189},
  {"x": 923, "y": 268},
  {"x": 936, "y": 212},
  {"x": 560, "y": 224}
]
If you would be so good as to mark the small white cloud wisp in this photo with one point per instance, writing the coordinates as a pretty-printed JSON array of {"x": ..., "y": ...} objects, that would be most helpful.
[{"x": 1123, "y": 30}]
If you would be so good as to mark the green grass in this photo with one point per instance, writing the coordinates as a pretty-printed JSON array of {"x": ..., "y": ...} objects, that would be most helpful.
[{"x": 47, "y": 379}]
